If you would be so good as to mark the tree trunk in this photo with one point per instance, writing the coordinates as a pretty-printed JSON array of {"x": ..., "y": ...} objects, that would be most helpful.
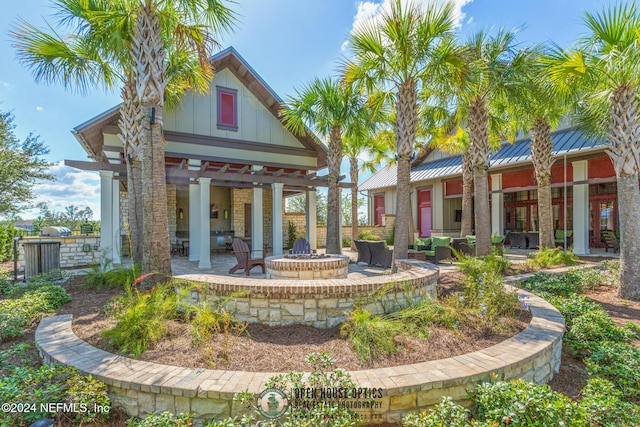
[
  {"x": 353, "y": 172},
  {"x": 466, "y": 226},
  {"x": 406, "y": 122},
  {"x": 479, "y": 150},
  {"x": 149, "y": 56},
  {"x": 334, "y": 204},
  {"x": 623, "y": 150},
  {"x": 130, "y": 129},
  {"x": 542, "y": 156}
]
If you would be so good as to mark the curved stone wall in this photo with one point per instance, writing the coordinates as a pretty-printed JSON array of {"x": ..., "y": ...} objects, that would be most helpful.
[
  {"x": 143, "y": 387},
  {"x": 319, "y": 303}
]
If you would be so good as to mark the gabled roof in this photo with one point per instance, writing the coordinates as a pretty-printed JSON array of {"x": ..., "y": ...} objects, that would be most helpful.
[
  {"x": 566, "y": 141},
  {"x": 89, "y": 133}
]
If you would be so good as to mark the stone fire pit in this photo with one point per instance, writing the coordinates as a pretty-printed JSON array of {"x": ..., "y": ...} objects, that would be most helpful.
[{"x": 307, "y": 267}]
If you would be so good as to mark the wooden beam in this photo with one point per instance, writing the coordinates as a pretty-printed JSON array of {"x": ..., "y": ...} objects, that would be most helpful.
[
  {"x": 232, "y": 160},
  {"x": 278, "y": 172},
  {"x": 183, "y": 163},
  {"x": 294, "y": 174},
  {"x": 204, "y": 167},
  {"x": 244, "y": 169},
  {"x": 260, "y": 172},
  {"x": 224, "y": 168},
  {"x": 310, "y": 175},
  {"x": 96, "y": 166}
]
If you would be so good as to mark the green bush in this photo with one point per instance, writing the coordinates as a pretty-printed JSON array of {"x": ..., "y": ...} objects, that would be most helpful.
[
  {"x": 106, "y": 275},
  {"x": 573, "y": 306},
  {"x": 44, "y": 384},
  {"x": 546, "y": 257},
  {"x": 619, "y": 363},
  {"x": 554, "y": 284},
  {"x": 370, "y": 336},
  {"x": 367, "y": 235},
  {"x": 475, "y": 267},
  {"x": 25, "y": 311},
  {"x": 164, "y": 419},
  {"x": 445, "y": 414},
  {"x": 603, "y": 404},
  {"x": 141, "y": 318},
  {"x": 7, "y": 233},
  {"x": 594, "y": 327},
  {"x": 521, "y": 403}
]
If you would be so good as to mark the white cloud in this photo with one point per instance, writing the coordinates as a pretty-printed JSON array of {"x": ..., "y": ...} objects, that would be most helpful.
[
  {"x": 368, "y": 10},
  {"x": 39, "y": 108},
  {"x": 71, "y": 187},
  {"x": 6, "y": 85}
]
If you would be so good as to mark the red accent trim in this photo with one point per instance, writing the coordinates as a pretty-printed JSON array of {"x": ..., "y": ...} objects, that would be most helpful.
[
  {"x": 521, "y": 178},
  {"x": 453, "y": 188},
  {"x": 378, "y": 202},
  {"x": 227, "y": 103},
  {"x": 424, "y": 210}
]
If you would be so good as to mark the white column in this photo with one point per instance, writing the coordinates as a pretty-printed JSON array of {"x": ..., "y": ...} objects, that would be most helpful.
[
  {"x": 257, "y": 219},
  {"x": 580, "y": 208},
  {"x": 276, "y": 195},
  {"x": 497, "y": 205},
  {"x": 116, "y": 239},
  {"x": 437, "y": 206},
  {"x": 311, "y": 219},
  {"x": 106, "y": 215},
  {"x": 194, "y": 222},
  {"x": 205, "y": 227}
]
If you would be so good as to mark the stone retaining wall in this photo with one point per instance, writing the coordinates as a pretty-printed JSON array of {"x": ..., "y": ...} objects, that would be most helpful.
[
  {"x": 143, "y": 387},
  {"x": 318, "y": 303}
]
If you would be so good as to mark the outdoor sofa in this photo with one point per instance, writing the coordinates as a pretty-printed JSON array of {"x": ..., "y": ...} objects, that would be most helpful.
[
  {"x": 435, "y": 248},
  {"x": 374, "y": 253}
]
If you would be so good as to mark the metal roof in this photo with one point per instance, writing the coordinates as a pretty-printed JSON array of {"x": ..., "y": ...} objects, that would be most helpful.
[{"x": 564, "y": 142}]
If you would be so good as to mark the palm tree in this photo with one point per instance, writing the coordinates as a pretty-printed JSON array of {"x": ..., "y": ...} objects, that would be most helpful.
[
  {"x": 494, "y": 63},
  {"x": 533, "y": 111},
  {"x": 396, "y": 54},
  {"x": 328, "y": 107},
  {"x": 132, "y": 37},
  {"x": 605, "y": 66}
]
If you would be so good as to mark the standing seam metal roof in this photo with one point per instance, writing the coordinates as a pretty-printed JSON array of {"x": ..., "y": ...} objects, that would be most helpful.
[{"x": 564, "y": 141}]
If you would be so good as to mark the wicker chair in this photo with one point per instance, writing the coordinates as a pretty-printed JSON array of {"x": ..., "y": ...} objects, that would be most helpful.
[
  {"x": 380, "y": 255},
  {"x": 364, "y": 253},
  {"x": 243, "y": 258},
  {"x": 611, "y": 241}
]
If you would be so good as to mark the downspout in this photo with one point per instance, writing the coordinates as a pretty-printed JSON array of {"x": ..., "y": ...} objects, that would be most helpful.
[{"x": 564, "y": 192}]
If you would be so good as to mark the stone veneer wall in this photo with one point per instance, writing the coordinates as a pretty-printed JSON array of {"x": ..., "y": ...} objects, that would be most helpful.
[
  {"x": 240, "y": 197},
  {"x": 143, "y": 387},
  {"x": 72, "y": 253},
  {"x": 318, "y": 303},
  {"x": 172, "y": 213}
]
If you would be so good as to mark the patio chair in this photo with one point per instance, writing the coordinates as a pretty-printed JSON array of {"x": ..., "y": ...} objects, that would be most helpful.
[
  {"x": 301, "y": 246},
  {"x": 243, "y": 257},
  {"x": 380, "y": 255},
  {"x": 533, "y": 238},
  {"x": 364, "y": 254},
  {"x": 610, "y": 241},
  {"x": 517, "y": 239}
]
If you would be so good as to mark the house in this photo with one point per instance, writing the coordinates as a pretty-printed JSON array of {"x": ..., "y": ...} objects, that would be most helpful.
[
  {"x": 229, "y": 164},
  {"x": 583, "y": 181},
  {"x": 26, "y": 225}
]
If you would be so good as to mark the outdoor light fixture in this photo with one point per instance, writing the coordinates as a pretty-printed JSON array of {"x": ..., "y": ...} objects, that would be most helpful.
[
  {"x": 181, "y": 213},
  {"x": 226, "y": 214}
]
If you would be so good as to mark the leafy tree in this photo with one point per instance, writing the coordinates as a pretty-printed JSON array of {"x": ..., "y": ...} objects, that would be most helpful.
[
  {"x": 72, "y": 217},
  {"x": 604, "y": 66},
  {"x": 298, "y": 203},
  {"x": 396, "y": 55},
  {"x": 21, "y": 166}
]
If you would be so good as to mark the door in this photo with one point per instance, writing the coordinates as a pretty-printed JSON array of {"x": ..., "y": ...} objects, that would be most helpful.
[
  {"x": 378, "y": 203},
  {"x": 424, "y": 213},
  {"x": 247, "y": 219}
]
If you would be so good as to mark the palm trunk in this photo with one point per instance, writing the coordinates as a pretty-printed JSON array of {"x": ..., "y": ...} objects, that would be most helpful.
[
  {"x": 479, "y": 151},
  {"x": 149, "y": 57},
  {"x": 334, "y": 158},
  {"x": 406, "y": 122},
  {"x": 466, "y": 225},
  {"x": 623, "y": 151},
  {"x": 130, "y": 136},
  {"x": 353, "y": 172},
  {"x": 542, "y": 156}
]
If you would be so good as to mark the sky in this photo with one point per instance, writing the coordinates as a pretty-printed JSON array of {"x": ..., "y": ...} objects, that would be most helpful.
[{"x": 288, "y": 42}]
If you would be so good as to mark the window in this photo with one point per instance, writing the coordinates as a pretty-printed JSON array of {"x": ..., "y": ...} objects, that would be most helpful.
[{"x": 227, "y": 108}]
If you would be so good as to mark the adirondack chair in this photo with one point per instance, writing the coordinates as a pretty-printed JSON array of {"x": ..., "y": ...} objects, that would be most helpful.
[
  {"x": 301, "y": 246},
  {"x": 243, "y": 257}
]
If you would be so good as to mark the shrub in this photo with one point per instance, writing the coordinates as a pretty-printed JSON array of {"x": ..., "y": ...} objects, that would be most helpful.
[
  {"x": 619, "y": 363},
  {"x": 590, "y": 329},
  {"x": 546, "y": 257},
  {"x": 369, "y": 335},
  {"x": 367, "y": 235},
  {"x": 445, "y": 414},
  {"x": 44, "y": 384},
  {"x": 554, "y": 284},
  {"x": 140, "y": 319},
  {"x": 292, "y": 234},
  {"x": 106, "y": 275},
  {"x": 604, "y": 405},
  {"x": 522, "y": 403},
  {"x": 573, "y": 306},
  {"x": 25, "y": 311},
  {"x": 475, "y": 267},
  {"x": 164, "y": 419}
]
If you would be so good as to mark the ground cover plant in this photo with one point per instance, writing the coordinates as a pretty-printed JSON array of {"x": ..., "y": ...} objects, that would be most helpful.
[{"x": 612, "y": 393}]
